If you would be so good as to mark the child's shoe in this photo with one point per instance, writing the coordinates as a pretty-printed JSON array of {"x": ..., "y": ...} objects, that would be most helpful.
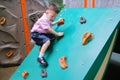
[{"x": 42, "y": 61}]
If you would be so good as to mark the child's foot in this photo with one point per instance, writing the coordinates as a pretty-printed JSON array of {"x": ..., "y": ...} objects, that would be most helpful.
[{"x": 42, "y": 61}]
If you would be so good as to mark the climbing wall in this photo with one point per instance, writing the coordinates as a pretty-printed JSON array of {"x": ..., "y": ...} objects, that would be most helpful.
[
  {"x": 84, "y": 61},
  {"x": 12, "y": 33}
]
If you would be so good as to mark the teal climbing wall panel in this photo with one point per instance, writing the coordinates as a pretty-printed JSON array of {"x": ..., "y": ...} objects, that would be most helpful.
[{"x": 83, "y": 61}]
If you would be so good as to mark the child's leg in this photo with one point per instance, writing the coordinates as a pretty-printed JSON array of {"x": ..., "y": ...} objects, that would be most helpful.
[
  {"x": 44, "y": 48},
  {"x": 41, "y": 58},
  {"x": 44, "y": 41}
]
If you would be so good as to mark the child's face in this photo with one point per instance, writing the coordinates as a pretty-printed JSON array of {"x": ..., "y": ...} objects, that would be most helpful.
[{"x": 51, "y": 14}]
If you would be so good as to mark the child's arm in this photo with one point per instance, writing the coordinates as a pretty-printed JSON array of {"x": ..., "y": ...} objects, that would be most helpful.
[
  {"x": 55, "y": 33},
  {"x": 56, "y": 22}
]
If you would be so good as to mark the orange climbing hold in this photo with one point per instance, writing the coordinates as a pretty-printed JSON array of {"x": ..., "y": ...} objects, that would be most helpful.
[
  {"x": 9, "y": 54},
  {"x": 87, "y": 37},
  {"x": 2, "y": 20},
  {"x": 61, "y": 22},
  {"x": 62, "y": 62},
  {"x": 25, "y": 74}
]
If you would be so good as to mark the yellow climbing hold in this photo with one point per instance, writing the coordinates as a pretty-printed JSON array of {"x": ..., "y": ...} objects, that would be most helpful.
[{"x": 2, "y": 20}]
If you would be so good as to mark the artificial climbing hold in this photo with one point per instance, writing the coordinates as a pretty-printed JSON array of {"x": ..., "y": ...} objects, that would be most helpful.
[
  {"x": 2, "y": 20},
  {"x": 82, "y": 20},
  {"x": 86, "y": 37},
  {"x": 43, "y": 73},
  {"x": 62, "y": 62},
  {"x": 25, "y": 74},
  {"x": 9, "y": 54},
  {"x": 60, "y": 22}
]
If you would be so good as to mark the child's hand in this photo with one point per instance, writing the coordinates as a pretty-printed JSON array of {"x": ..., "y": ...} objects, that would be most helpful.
[
  {"x": 60, "y": 19},
  {"x": 60, "y": 34}
]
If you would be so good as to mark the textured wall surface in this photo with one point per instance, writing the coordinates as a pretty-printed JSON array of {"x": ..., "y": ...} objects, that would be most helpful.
[{"x": 12, "y": 39}]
